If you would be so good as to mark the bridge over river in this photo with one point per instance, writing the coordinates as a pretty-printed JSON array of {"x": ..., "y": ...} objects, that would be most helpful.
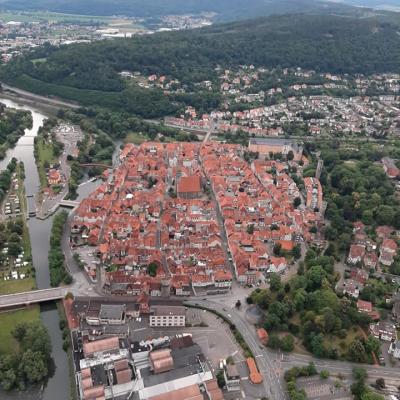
[{"x": 33, "y": 297}]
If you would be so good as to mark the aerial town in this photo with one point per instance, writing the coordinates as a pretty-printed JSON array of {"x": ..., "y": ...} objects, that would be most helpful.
[
  {"x": 195, "y": 205},
  {"x": 337, "y": 106},
  {"x": 30, "y": 31},
  {"x": 155, "y": 218}
]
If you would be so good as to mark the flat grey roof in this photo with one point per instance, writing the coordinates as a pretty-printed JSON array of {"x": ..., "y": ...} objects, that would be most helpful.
[
  {"x": 112, "y": 311},
  {"x": 185, "y": 364},
  {"x": 232, "y": 372}
]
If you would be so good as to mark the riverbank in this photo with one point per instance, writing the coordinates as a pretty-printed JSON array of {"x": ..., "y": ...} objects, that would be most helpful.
[
  {"x": 48, "y": 109},
  {"x": 14, "y": 122},
  {"x": 56, "y": 386},
  {"x": 32, "y": 98}
]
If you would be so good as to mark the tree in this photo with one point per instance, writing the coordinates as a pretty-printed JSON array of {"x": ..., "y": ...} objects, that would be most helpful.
[
  {"x": 275, "y": 282},
  {"x": 33, "y": 366},
  {"x": 220, "y": 379},
  {"x": 330, "y": 233},
  {"x": 299, "y": 299},
  {"x": 290, "y": 155},
  {"x": 384, "y": 215},
  {"x": 8, "y": 379},
  {"x": 311, "y": 370},
  {"x": 367, "y": 217},
  {"x": 277, "y": 249},
  {"x": 315, "y": 276},
  {"x": 238, "y": 304},
  {"x": 317, "y": 345},
  {"x": 14, "y": 249},
  {"x": 359, "y": 374},
  {"x": 357, "y": 351},
  {"x": 152, "y": 269},
  {"x": 329, "y": 320},
  {"x": 296, "y": 202},
  {"x": 296, "y": 252},
  {"x": 287, "y": 343},
  {"x": 274, "y": 341},
  {"x": 372, "y": 344},
  {"x": 380, "y": 383},
  {"x": 20, "y": 331}
]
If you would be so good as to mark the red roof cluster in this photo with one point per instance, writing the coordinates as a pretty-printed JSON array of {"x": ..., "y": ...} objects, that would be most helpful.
[{"x": 135, "y": 218}]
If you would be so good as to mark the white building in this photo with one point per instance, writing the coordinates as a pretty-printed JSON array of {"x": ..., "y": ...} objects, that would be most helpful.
[{"x": 167, "y": 316}]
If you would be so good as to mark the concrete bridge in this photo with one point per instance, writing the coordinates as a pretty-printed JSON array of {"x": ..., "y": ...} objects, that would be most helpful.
[
  {"x": 69, "y": 203},
  {"x": 33, "y": 297},
  {"x": 95, "y": 165}
]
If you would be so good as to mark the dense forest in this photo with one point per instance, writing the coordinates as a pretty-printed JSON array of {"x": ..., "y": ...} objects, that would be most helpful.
[
  {"x": 225, "y": 9},
  {"x": 89, "y": 73}
]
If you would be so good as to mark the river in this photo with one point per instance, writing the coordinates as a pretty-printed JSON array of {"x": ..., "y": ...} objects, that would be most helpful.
[{"x": 57, "y": 387}]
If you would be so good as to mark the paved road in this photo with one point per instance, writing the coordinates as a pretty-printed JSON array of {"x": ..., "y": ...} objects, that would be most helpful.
[
  {"x": 273, "y": 364},
  {"x": 343, "y": 367},
  {"x": 43, "y": 99},
  {"x": 272, "y": 385}
]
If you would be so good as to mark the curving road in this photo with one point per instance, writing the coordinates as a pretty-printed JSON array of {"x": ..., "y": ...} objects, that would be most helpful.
[
  {"x": 273, "y": 364},
  {"x": 41, "y": 99},
  {"x": 273, "y": 386}
]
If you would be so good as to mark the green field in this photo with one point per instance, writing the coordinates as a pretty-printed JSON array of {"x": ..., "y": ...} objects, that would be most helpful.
[
  {"x": 17, "y": 286},
  {"x": 8, "y": 321},
  {"x": 135, "y": 138},
  {"x": 31, "y": 16}
]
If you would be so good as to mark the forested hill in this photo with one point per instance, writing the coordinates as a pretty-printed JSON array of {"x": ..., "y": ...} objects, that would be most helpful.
[
  {"x": 225, "y": 9},
  {"x": 323, "y": 43}
]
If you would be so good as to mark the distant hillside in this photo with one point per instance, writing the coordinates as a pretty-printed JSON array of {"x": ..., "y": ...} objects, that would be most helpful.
[
  {"x": 89, "y": 72},
  {"x": 225, "y": 9},
  {"x": 373, "y": 3}
]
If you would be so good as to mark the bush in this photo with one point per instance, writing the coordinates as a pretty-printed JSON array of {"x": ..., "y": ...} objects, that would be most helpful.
[
  {"x": 324, "y": 374},
  {"x": 62, "y": 324}
]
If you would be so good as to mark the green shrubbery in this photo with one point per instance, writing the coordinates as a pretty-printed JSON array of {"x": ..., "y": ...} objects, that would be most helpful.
[{"x": 58, "y": 272}]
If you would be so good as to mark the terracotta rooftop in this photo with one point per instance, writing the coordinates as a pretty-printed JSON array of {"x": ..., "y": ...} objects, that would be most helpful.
[{"x": 189, "y": 184}]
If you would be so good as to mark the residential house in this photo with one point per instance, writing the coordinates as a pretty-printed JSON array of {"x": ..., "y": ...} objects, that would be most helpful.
[
  {"x": 384, "y": 330},
  {"x": 356, "y": 254}
]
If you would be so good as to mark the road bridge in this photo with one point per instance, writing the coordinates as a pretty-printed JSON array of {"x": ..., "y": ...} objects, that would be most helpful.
[
  {"x": 33, "y": 297},
  {"x": 69, "y": 203},
  {"x": 95, "y": 165}
]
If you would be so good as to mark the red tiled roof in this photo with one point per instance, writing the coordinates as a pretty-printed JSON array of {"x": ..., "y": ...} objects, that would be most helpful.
[{"x": 189, "y": 184}]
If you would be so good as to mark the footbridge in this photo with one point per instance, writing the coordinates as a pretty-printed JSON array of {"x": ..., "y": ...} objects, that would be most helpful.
[{"x": 33, "y": 297}]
